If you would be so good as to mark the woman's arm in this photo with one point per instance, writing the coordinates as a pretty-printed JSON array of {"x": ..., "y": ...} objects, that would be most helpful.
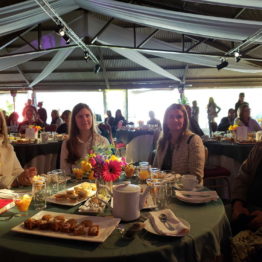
[
  {"x": 196, "y": 157},
  {"x": 63, "y": 158}
]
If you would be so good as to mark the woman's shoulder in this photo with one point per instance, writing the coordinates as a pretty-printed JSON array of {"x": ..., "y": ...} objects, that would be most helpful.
[
  {"x": 190, "y": 137},
  {"x": 100, "y": 139}
]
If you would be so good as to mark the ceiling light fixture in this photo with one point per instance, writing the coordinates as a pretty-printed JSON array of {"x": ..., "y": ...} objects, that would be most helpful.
[
  {"x": 223, "y": 64},
  {"x": 67, "y": 39}
]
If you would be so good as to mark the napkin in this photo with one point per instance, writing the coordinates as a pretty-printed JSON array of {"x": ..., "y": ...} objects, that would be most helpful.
[
  {"x": 7, "y": 193},
  {"x": 173, "y": 220},
  {"x": 197, "y": 197}
]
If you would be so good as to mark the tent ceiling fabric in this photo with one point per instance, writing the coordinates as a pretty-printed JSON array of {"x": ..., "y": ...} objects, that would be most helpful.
[{"x": 166, "y": 38}]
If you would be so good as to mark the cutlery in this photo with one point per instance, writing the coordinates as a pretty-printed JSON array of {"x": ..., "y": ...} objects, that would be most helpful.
[
  {"x": 10, "y": 217},
  {"x": 163, "y": 218}
]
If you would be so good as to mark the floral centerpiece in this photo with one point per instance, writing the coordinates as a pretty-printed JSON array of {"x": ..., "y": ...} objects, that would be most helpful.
[
  {"x": 233, "y": 127},
  {"x": 31, "y": 132},
  {"x": 100, "y": 164}
]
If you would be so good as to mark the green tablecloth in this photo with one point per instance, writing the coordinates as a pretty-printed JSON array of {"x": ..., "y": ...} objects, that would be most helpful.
[
  {"x": 210, "y": 231},
  {"x": 238, "y": 152}
]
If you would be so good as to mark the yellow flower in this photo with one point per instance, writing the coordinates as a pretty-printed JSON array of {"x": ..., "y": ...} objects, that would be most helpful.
[
  {"x": 86, "y": 166},
  {"x": 91, "y": 175},
  {"x": 113, "y": 157}
]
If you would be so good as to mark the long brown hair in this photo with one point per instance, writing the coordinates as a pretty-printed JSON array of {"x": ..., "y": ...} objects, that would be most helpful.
[
  {"x": 3, "y": 129},
  {"x": 166, "y": 134},
  {"x": 74, "y": 132},
  {"x": 241, "y": 110}
]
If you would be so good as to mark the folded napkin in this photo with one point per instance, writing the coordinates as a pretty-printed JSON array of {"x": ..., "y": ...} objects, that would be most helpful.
[
  {"x": 197, "y": 197},
  {"x": 7, "y": 193},
  {"x": 162, "y": 228}
]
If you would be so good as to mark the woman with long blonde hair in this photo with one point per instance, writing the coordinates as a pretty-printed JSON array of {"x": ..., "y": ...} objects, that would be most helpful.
[
  {"x": 179, "y": 149},
  {"x": 11, "y": 172},
  {"x": 82, "y": 137}
]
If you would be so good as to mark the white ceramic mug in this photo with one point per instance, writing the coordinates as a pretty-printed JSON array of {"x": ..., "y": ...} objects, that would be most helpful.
[{"x": 189, "y": 182}]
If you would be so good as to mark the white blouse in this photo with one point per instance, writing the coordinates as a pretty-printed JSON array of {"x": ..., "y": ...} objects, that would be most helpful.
[
  {"x": 10, "y": 167},
  {"x": 83, "y": 149}
]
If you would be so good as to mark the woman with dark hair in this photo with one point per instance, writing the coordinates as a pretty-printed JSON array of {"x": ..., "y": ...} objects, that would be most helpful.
[
  {"x": 63, "y": 129},
  {"x": 178, "y": 148},
  {"x": 244, "y": 118},
  {"x": 82, "y": 137},
  {"x": 30, "y": 118},
  {"x": 118, "y": 117},
  {"x": 11, "y": 172},
  {"x": 12, "y": 122}
]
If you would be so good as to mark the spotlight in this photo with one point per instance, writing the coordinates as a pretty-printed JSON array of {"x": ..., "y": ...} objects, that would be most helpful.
[
  {"x": 67, "y": 39},
  {"x": 97, "y": 68},
  {"x": 237, "y": 59},
  {"x": 60, "y": 30},
  {"x": 86, "y": 56},
  {"x": 223, "y": 64},
  {"x": 237, "y": 56}
]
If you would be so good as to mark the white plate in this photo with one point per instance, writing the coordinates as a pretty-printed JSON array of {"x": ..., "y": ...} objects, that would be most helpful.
[
  {"x": 87, "y": 208},
  {"x": 180, "y": 187},
  {"x": 106, "y": 227},
  {"x": 149, "y": 228},
  {"x": 68, "y": 202},
  {"x": 194, "y": 199}
]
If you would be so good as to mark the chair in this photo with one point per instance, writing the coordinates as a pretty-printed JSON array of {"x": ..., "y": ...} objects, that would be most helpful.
[
  {"x": 217, "y": 177},
  {"x": 139, "y": 148}
]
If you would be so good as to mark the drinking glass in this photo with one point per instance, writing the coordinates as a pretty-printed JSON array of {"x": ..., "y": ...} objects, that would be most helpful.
[
  {"x": 61, "y": 178},
  {"x": 22, "y": 202},
  {"x": 39, "y": 193},
  {"x": 158, "y": 192},
  {"x": 143, "y": 173}
]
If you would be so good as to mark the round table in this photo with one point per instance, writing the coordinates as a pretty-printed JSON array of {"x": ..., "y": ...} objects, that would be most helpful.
[
  {"x": 209, "y": 235},
  {"x": 238, "y": 152},
  {"x": 43, "y": 156}
]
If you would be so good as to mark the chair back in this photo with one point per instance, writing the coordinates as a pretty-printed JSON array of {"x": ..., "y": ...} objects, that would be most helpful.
[{"x": 139, "y": 148}]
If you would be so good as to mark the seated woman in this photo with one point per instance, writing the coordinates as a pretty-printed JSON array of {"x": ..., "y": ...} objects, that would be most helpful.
[
  {"x": 56, "y": 119},
  {"x": 178, "y": 148},
  {"x": 63, "y": 129},
  {"x": 247, "y": 205},
  {"x": 244, "y": 119},
  {"x": 11, "y": 172},
  {"x": 31, "y": 118},
  {"x": 82, "y": 137},
  {"x": 13, "y": 123}
]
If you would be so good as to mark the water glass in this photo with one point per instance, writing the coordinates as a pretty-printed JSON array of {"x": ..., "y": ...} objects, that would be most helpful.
[
  {"x": 51, "y": 183},
  {"x": 39, "y": 193},
  {"x": 160, "y": 195},
  {"x": 59, "y": 176}
]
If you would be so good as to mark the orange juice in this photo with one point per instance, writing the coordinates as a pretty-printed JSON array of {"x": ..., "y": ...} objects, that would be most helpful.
[
  {"x": 129, "y": 170},
  {"x": 23, "y": 202},
  {"x": 144, "y": 174}
]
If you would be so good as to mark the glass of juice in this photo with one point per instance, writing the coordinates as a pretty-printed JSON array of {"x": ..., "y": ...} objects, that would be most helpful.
[{"x": 22, "y": 202}]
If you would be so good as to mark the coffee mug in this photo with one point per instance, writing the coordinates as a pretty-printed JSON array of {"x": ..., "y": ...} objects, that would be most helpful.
[{"x": 189, "y": 182}]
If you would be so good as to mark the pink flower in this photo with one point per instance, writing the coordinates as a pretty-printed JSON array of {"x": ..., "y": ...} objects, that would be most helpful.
[
  {"x": 111, "y": 170},
  {"x": 124, "y": 163},
  {"x": 92, "y": 161}
]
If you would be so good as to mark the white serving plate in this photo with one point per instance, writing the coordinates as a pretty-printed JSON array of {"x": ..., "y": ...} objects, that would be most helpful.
[
  {"x": 106, "y": 226},
  {"x": 148, "y": 227},
  {"x": 68, "y": 202},
  {"x": 195, "y": 199}
]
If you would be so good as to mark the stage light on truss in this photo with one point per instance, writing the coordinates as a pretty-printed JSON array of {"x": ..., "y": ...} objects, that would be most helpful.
[
  {"x": 60, "y": 30},
  {"x": 97, "y": 68},
  {"x": 86, "y": 55},
  {"x": 67, "y": 39},
  {"x": 237, "y": 56},
  {"x": 222, "y": 65}
]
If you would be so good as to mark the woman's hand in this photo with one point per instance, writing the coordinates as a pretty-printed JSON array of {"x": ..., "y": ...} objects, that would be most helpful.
[
  {"x": 256, "y": 222},
  {"x": 239, "y": 209},
  {"x": 25, "y": 179}
]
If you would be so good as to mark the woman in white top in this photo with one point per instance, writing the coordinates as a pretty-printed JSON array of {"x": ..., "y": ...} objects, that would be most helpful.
[
  {"x": 82, "y": 137},
  {"x": 11, "y": 172},
  {"x": 244, "y": 119}
]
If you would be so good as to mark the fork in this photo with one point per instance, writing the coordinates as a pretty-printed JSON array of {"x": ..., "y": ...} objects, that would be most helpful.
[
  {"x": 163, "y": 218},
  {"x": 10, "y": 217}
]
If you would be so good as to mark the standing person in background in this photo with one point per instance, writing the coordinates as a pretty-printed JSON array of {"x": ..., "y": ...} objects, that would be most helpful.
[
  {"x": 193, "y": 124},
  {"x": 195, "y": 111},
  {"x": 227, "y": 120},
  {"x": 212, "y": 112},
  {"x": 42, "y": 112},
  {"x": 119, "y": 119},
  {"x": 153, "y": 120},
  {"x": 240, "y": 101}
]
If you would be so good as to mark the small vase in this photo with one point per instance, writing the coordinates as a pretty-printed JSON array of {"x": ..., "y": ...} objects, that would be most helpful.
[{"x": 101, "y": 187}]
